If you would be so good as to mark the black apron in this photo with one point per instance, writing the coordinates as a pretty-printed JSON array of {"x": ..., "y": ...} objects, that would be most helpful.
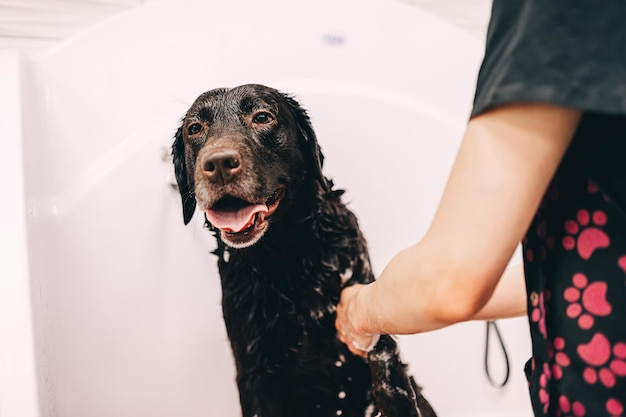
[{"x": 571, "y": 54}]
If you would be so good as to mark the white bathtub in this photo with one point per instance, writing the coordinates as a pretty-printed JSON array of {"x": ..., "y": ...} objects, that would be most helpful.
[{"x": 120, "y": 301}]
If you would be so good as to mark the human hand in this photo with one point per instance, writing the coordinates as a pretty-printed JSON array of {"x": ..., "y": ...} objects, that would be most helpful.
[{"x": 351, "y": 323}]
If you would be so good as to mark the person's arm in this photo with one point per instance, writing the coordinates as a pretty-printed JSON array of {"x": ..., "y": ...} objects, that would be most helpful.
[
  {"x": 504, "y": 165},
  {"x": 509, "y": 297}
]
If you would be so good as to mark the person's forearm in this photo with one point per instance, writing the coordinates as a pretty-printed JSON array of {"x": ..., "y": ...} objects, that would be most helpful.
[
  {"x": 423, "y": 294},
  {"x": 509, "y": 298},
  {"x": 416, "y": 305}
]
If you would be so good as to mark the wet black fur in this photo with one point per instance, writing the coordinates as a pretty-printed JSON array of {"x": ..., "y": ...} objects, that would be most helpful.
[{"x": 279, "y": 295}]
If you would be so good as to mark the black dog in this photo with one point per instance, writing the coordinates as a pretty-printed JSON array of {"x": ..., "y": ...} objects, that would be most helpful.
[{"x": 248, "y": 157}]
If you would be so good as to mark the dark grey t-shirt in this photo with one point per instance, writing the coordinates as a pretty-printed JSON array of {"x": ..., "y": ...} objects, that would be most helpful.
[
  {"x": 565, "y": 52},
  {"x": 570, "y": 53}
]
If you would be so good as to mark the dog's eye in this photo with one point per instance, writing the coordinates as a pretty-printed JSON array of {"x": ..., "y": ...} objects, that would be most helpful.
[
  {"x": 262, "y": 118},
  {"x": 194, "y": 128}
]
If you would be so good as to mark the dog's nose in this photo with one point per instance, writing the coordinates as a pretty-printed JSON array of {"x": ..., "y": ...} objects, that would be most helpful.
[{"x": 221, "y": 165}]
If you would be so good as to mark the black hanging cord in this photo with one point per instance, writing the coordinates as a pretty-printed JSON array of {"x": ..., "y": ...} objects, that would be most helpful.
[{"x": 495, "y": 384}]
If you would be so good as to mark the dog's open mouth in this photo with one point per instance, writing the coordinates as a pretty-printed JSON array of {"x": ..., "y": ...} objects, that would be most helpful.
[{"x": 237, "y": 217}]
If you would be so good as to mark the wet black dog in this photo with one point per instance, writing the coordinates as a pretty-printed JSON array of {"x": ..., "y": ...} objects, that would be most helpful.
[{"x": 248, "y": 157}]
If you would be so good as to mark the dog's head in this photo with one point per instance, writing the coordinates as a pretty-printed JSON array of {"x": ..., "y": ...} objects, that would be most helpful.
[{"x": 241, "y": 154}]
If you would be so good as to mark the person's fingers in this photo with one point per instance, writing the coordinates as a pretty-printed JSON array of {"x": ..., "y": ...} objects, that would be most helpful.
[
  {"x": 353, "y": 344},
  {"x": 357, "y": 352},
  {"x": 359, "y": 344}
]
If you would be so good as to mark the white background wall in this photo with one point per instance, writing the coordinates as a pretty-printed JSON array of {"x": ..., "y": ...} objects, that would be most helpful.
[
  {"x": 125, "y": 298},
  {"x": 37, "y": 25},
  {"x": 18, "y": 394}
]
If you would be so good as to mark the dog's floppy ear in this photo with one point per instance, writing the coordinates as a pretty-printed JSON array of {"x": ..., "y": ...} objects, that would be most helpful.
[
  {"x": 313, "y": 151},
  {"x": 187, "y": 194}
]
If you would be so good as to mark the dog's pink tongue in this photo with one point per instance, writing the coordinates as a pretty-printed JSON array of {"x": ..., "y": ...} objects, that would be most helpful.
[{"x": 235, "y": 220}]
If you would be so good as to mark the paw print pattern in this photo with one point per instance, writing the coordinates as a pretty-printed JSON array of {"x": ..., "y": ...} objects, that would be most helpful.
[
  {"x": 542, "y": 229},
  {"x": 538, "y": 314},
  {"x": 590, "y": 238},
  {"x": 592, "y": 188},
  {"x": 542, "y": 233},
  {"x": 614, "y": 407},
  {"x": 622, "y": 262},
  {"x": 544, "y": 379},
  {"x": 547, "y": 242},
  {"x": 561, "y": 359},
  {"x": 567, "y": 407},
  {"x": 586, "y": 300},
  {"x": 606, "y": 362}
]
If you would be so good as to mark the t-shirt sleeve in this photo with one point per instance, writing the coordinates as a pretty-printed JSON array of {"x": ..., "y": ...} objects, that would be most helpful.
[{"x": 570, "y": 53}]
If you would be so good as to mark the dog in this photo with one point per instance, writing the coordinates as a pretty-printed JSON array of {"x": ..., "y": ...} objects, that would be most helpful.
[{"x": 249, "y": 159}]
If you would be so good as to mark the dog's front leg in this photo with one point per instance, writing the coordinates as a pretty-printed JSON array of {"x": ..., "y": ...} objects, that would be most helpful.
[{"x": 259, "y": 395}]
